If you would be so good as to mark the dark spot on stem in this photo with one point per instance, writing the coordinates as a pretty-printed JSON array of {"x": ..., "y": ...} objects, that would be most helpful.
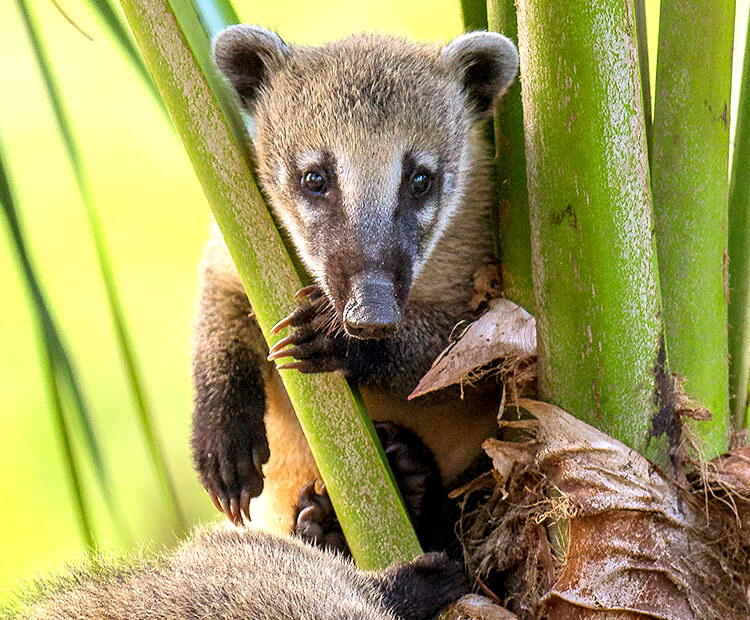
[
  {"x": 723, "y": 117},
  {"x": 597, "y": 402},
  {"x": 567, "y": 215},
  {"x": 665, "y": 422}
]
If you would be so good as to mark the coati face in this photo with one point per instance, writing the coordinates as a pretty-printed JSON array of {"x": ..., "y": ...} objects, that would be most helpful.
[{"x": 364, "y": 151}]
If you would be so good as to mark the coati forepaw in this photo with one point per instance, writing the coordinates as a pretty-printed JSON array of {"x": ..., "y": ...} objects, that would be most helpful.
[
  {"x": 230, "y": 468},
  {"x": 313, "y": 341},
  {"x": 316, "y": 522}
]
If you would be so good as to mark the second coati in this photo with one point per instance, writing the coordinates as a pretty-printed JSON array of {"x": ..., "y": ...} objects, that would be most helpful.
[
  {"x": 226, "y": 573},
  {"x": 370, "y": 151}
]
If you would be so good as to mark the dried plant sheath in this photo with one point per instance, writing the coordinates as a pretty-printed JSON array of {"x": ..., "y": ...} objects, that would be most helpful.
[
  {"x": 689, "y": 179},
  {"x": 369, "y": 508},
  {"x": 500, "y": 342},
  {"x": 639, "y": 543},
  {"x": 598, "y": 305}
]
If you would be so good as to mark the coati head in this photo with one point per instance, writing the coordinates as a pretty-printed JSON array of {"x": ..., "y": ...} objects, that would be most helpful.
[{"x": 364, "y": 151}]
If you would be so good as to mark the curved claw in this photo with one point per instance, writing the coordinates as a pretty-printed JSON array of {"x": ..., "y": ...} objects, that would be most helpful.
[
  {"x": 305, "y": 292},
  {"x": 234, "y": 509},
  {"x": 215, "y": 500},
  {"x": 285, "y": 322},
  {"x": 293, "y": 352},
  {"x": 278, "y": 346},
  {"x": 245, "y": 504},
  {"x": 289, "y": 366}
]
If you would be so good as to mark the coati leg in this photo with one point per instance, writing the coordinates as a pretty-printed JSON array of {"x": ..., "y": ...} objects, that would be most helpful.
[
  {"x": 417, "y": 478},
  {"x": 229, "y": 436},
  {"x": 238, "y": 397}
]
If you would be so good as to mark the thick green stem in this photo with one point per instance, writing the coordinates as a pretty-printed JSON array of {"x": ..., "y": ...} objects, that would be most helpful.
[
  {"x": 601, "y": 348},
  {"x": 739, "y": 253},
  {"x": 510, "y": 160},
  {"x": 340, "y": 434},
  {"x": 689, "y": 179}
]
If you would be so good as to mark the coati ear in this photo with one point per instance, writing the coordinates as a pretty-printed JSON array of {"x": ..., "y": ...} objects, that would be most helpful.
[
  {"x": 487, "y": 63},
  {"x": 248, "y": 56}
]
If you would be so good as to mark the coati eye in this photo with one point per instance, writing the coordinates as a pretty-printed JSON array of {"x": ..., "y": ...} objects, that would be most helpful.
[
  {"x": 314, "y": 182},
  {"x": 420, "y": 183}
]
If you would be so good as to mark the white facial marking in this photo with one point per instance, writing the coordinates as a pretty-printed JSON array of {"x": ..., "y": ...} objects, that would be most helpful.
[
  {"x": 426, "y": 160},
  {"x": 281, "y": 175},
  {"x": 369, "y": 184},
  {"x": 309, "y": 159},
  {"x": 453, "y": 195}
]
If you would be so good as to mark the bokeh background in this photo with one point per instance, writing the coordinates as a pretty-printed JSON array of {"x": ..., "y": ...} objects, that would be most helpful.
[{"x": 155, "y": 219}]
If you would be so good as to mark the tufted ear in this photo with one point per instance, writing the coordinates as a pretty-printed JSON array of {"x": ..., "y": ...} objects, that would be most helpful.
[
  {"x": 248, "y": 56},
  {"x": 486, "y": 63}
]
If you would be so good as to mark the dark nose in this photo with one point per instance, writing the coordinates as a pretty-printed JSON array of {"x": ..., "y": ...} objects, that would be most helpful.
[{"x": 372, "y": 311}]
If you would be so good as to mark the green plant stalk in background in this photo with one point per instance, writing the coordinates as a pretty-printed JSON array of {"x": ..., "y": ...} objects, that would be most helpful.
[
  {"x": 57, "y": 368},
  {"x": 340, "y": 434},
  {"x": 601, "y": 349},
  {"x": 123, "y": 338},
  {"x": 215, "y": 15},
  {"x": 689, "y": 180},
  {"x": 112, "y": 22},
  {"x": 641, "y": 35},
  {"x": 474, "y": 14},
  {"x": 739, "y": 255},
  {"x": 510, "y": 161}
]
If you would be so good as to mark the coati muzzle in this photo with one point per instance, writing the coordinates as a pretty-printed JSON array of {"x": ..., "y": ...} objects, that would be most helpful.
[{"x": 372, "y": 310}]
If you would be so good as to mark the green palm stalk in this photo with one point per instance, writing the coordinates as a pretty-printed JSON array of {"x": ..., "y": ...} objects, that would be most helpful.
[
  {"x": 689, "y": 179},
  {"x": 339, "y": 432},
  {"x": 474, "y": 14},
  {"x": 510, "y": 160},
  {"x": 739, "y": 255},
  {"x": 601, "y": 346}
]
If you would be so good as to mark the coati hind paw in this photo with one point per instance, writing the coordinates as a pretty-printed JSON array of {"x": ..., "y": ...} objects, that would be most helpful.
[
  {"x": 316, "y": 521},
  {"x": 313, "y": 342},
  {"x": 418, "y": 481},
  {"x": 229, "y": 465}
]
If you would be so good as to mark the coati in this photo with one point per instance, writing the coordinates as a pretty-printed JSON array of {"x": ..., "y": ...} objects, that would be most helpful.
[
  {"x": 370, "y": 151},
  {"x": 229, "y": 573}
]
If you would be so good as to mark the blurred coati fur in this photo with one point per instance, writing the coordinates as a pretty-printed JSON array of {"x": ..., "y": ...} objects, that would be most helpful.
[
  {"x": 227, "y": 573},
  {"x": 370, "y": 151}
]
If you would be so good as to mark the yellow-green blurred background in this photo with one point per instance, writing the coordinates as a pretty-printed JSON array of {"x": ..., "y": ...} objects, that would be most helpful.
[{"x": 155, "y": 219}]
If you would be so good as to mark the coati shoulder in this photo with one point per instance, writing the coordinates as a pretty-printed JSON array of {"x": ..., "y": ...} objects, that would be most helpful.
[
  {"x": 229, "y": 573},
  {"x": 370, "y": 152}
]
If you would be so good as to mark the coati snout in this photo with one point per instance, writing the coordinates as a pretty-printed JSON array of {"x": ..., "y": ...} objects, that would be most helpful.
[
  {"x": 363, "y": 150},
  {"x": 372, "y": 310}
]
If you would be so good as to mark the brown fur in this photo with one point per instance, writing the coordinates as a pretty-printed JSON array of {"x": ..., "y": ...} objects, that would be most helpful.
[
  {"x": 250, "y": 575},
  {"x": 364, "y": 102}
]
